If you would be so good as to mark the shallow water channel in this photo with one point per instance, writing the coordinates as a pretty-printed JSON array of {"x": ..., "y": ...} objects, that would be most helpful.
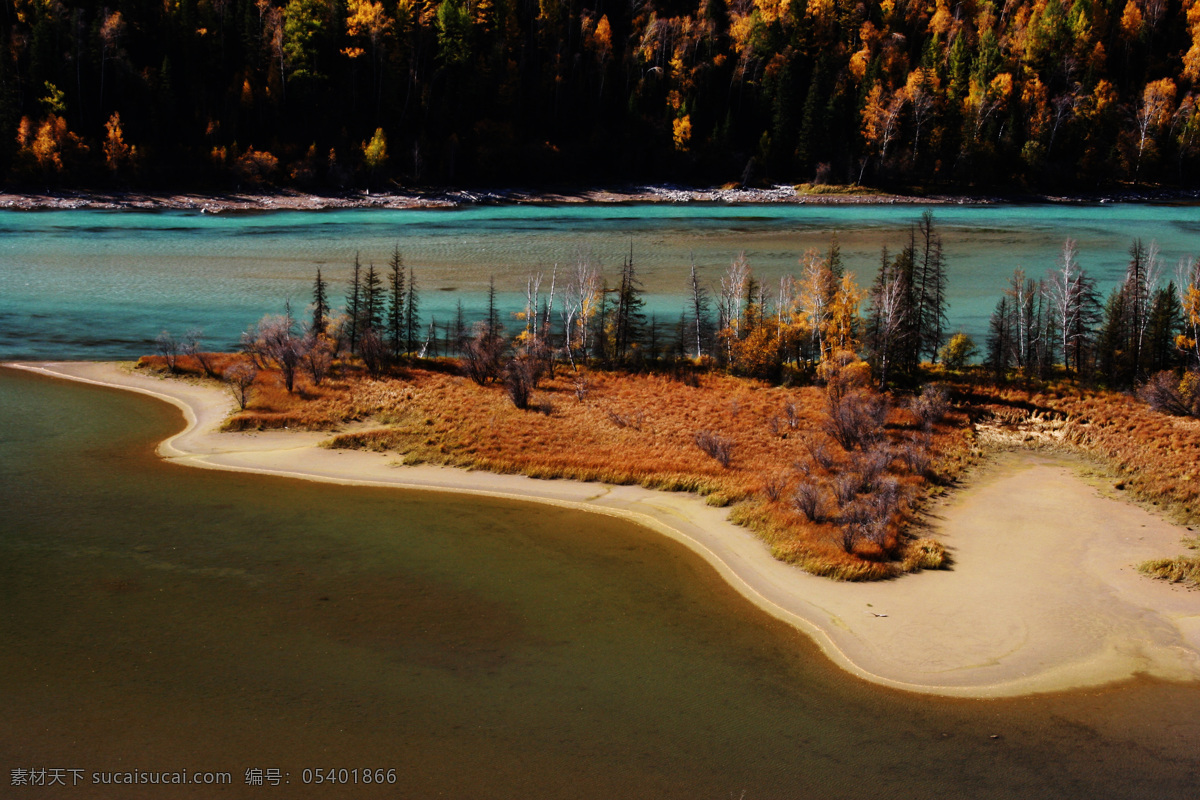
[
  {"x": 164, "y": 618},
  {"x": 103, "y": 284}
]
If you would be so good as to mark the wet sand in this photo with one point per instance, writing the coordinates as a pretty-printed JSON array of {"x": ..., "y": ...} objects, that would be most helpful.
[{"x": 1043, "y": 595}]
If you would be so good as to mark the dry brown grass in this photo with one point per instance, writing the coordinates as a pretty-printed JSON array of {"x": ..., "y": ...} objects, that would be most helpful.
[
  {"x": 1156, "y": 457},
  {"x": 636, "y": 429}
]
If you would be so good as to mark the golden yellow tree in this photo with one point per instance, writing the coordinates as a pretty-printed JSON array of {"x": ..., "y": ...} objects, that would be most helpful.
[
  {"x": 116, "y": 152},
  {"x": 843, "y": 323},
  {"x": 1158, "y": 101}
]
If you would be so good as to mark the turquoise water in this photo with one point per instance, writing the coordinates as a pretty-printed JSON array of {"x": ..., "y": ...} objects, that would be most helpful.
[
  {"x": 103, "y": 284},
  {"x": 163, "y": 618}
]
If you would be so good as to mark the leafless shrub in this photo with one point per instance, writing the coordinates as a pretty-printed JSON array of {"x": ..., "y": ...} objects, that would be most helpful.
[
  {"x": 274, "y": 342},
  {"x": 716, "y": 446},
  {"x": 483, "y": 354},
  {"x": 847, "y": 536},
  {"x": 864, "y": 518},
  {"x": 931, "y": 406},
  {"x": 775, "y": 485},
  {"x": 583, "y": 387},
  {"x": 240, "y": 378},
  {"x": 373, "y": 351},
  {"x": 915, "y": 455},
  {"x": 318, "y": 356},
  {"x": 168, "y": 348},
  {"x": 819, "y": 452},
  {"x": 845, "y": 487},
  {"x": 807, "y": 499},
  {"x": 855, "y": 419},
  {"x": 519, "y": 380},
  {"x": 191, "y": 347},
  {"x": 871, "y": 464},
  {"x": 1162, "y": 392},
  {"x": 875, "y": 530}
]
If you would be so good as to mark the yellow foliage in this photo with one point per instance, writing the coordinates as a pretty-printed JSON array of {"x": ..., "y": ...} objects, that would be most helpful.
[
  {"x": 367, "y": 19},
  {"x": 1037, "y": 110},
  {"x": 1132, "y": 20},
  {"x": 683, "y": 133},
  {"x": 1157, "y": 99},
  {"x": 843, "y": 315},
  {"x": 116, "y": 152},
  {"x": 771, "y": 10},
  {"x": 24, "y": 133},
  {"x": 819, "y": 9},
  {"x": 1191, "y": 59},
  {"x": 941, "y": 21},
  {"x": 46, "y": 150},
  {"x": 741, "y": 29},
  {"x": 375, "y": 151}
]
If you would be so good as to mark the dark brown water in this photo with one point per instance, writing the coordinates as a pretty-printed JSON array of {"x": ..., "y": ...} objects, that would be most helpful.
[{"x": 161, "y": 618}]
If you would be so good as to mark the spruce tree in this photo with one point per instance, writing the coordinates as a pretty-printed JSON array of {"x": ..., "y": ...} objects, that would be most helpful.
[
  {"x": 320, "y": 317},
  {"x": 630, "y": 321},
  {"x": 396, "y": 302},
  {"x": 372, "y": 301},
  {"x": 412, "y": 316},
  {"x": 354, "y": 305}
]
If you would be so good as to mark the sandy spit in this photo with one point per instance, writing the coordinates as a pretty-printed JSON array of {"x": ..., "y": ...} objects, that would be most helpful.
[{"x": 1043, "y": 595}]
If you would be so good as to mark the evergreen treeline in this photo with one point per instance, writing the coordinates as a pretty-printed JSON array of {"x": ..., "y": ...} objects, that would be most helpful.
[{"x": 334, "y": 93}]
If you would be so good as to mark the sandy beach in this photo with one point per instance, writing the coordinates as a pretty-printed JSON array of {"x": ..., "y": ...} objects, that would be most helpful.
[{"x": 1043, "y": 594}]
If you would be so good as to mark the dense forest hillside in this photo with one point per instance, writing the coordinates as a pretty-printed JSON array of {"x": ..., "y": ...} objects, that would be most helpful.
[{"x": 328, "y": 94}]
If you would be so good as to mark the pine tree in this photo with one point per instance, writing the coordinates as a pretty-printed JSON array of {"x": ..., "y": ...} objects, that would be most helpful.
[
  {"x": 930, "y": 277},
  {"x": 1166, "y": 321},
  {"x": 493, "y": 314},
  {"x": 1000, "y": 334},
  {"x": 320, "y": 317},
  {"x": 372, "y": 301},
  {"x": 412, "y": 316},
  {"x": 630, "y": 321},
  {"x": 354, "y": 305},
  {"x": 1114, "y": 360},
  {"x": 396, "y": 302}
]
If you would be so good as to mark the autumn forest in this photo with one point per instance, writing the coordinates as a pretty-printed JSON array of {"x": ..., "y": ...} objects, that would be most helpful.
[{"x": 335, "y": 94}]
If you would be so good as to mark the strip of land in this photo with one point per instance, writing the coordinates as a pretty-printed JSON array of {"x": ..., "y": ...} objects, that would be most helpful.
[
  {"x": 291, "y": 200},
  {"x": 1043, "y": 595}
]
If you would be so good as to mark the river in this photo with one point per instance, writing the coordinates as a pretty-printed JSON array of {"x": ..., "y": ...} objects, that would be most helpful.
[{"x": 103, "y": 284}]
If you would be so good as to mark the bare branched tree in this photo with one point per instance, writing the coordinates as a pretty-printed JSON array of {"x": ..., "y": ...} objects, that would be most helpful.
[
  {"x": 931, "y": 406},
  {"x": 483, "y": 354},
  {"x": 240, "y": 378},
  {"x": 191, "y": 347},
  {"x": 808, "y": 500},
  {"x": 168, "y": 348}
]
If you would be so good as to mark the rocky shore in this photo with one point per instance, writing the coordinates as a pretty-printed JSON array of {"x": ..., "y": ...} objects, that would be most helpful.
[{"x": 290, "y": 200}]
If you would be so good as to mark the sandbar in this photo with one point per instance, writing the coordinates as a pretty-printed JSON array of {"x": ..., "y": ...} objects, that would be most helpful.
[{"x": 1043, "y": 594}]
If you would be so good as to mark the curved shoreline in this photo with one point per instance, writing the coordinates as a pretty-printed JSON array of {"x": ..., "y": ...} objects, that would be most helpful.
[{"x": 1043, "y": 596}]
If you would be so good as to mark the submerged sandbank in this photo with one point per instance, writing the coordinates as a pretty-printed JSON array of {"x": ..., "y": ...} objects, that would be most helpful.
[{"x": 1043, "y": 595}]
